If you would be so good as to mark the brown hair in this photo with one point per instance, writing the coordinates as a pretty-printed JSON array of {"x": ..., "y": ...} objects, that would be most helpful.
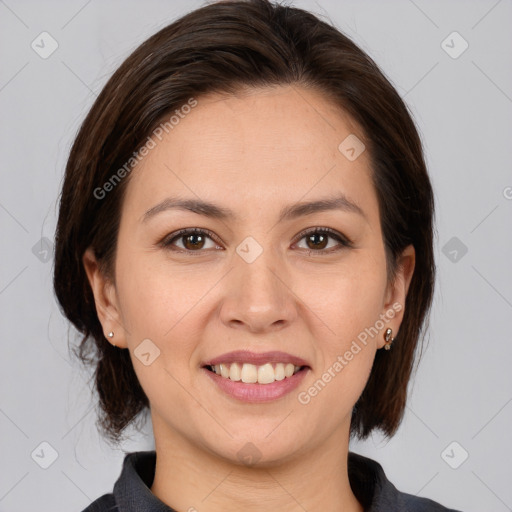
[{"x": 223, "y": 47}]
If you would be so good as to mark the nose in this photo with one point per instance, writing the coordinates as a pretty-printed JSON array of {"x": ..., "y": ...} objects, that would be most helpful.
[{"x": 258, "y": 295}]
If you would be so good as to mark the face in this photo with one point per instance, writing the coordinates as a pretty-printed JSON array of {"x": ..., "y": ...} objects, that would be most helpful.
[{"x": 265, "y": 277}]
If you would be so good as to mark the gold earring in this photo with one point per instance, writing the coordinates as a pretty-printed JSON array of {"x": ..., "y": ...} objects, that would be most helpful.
[{"x": 387, "y": 336}]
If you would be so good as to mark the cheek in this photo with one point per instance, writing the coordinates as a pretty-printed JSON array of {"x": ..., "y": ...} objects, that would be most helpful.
[
  {"x": 160, "y": 306},
  {"x": 166, "y": 306},
  {"x": 347, "y": 300},
  {"x": 348, "y": 304},
  {"x": 152, "y": 296}
]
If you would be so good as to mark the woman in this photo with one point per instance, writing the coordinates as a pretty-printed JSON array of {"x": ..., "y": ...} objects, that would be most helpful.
[{"x": 245, "y": 238}]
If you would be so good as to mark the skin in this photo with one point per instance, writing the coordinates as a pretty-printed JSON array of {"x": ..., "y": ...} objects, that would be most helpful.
[{"x": 254, "y": 153}]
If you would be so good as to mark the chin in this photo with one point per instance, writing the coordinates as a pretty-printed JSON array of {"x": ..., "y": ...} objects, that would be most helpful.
[{"x": 259, "y": 450}]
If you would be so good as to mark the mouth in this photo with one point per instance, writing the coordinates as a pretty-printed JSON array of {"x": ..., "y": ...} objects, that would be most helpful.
[
  {"x": 248, "y": 373},
  {"x": 266, "y": 378}
]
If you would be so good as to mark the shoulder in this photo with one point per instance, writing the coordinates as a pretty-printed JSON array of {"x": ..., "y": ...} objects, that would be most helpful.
[
  {"x": 377, "y": 494},
  {"x": 413, "y": 503},
  {"x": 132, "y": 488},
  {"x": 104, "y": 503}
]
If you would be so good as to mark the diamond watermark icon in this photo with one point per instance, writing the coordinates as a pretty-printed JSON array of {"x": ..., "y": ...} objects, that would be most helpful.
[
  {"x": 249, "y": 454},
  {"x": 249, "y": 249},
  {"x": 454, "y": 45},
  {"x": 43, "y": 249},
  {"x": 454, "y": 455},
  {"x": 351, "y": 147},
  {"x": 454, "y": 249},
  {"x": 44, "y": 455},
  {"x": 146, "y": 352},
  {"x": 44, "y": 45}
]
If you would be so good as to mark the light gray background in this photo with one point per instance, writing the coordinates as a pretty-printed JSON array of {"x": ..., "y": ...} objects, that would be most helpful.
[{"x": 462, "y": 391}]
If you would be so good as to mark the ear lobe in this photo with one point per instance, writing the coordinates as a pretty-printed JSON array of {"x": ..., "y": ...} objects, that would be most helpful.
[
  {"x": 105, "y": 298},
  {"x": 397, "y": 291}
]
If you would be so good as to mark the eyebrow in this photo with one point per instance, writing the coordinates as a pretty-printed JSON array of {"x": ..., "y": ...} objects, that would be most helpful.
[{"x": 208, "y": 209}]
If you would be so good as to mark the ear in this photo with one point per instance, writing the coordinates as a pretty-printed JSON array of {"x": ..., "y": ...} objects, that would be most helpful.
[
  {"x": 396, "y": 293},
  {"x": 105, "y": 298}
]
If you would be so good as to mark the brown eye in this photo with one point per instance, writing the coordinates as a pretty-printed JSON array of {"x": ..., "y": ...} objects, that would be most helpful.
[
  {"x": 195, "y": 241},
  {"x": 192, "y": 240},
  {"x": 317, "y": 240}
]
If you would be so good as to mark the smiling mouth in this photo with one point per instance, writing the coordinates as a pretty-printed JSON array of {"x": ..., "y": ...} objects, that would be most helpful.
[{"x": 252, "y": 374}]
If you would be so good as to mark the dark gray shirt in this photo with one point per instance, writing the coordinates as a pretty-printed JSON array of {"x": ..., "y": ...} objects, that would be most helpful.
[{"x": 369, "y": 483}]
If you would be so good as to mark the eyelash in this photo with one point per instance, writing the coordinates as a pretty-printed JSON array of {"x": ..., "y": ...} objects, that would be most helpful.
[{"x": 343, "y": 240}]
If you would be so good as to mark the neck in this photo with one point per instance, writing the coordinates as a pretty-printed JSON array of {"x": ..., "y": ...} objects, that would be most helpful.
[{"x": 188, "y": 478}]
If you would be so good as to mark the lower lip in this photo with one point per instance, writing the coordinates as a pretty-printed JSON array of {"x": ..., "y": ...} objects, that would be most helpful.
[{"x": 255, "y": 393}]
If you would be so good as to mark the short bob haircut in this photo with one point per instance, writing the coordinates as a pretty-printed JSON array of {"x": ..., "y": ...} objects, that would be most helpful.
[{"x": 225, "y": 47}]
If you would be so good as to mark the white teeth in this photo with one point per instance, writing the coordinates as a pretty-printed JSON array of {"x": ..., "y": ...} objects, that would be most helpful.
[
  {"x": 234, "y": 372},
  {"x": 279, "y": 371},
  {"x": 266, "y": 374},
  {"x": 250, "y": 373},
  {"x": 288, "y": 370},
  {"x": 224, "y": 371}
]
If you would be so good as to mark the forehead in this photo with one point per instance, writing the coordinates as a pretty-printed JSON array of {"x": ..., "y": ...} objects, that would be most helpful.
[{"x": 253, "y": 149}]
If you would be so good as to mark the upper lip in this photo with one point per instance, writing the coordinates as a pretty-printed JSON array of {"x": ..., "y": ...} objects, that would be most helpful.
[{"x": 245, "y": 356}]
